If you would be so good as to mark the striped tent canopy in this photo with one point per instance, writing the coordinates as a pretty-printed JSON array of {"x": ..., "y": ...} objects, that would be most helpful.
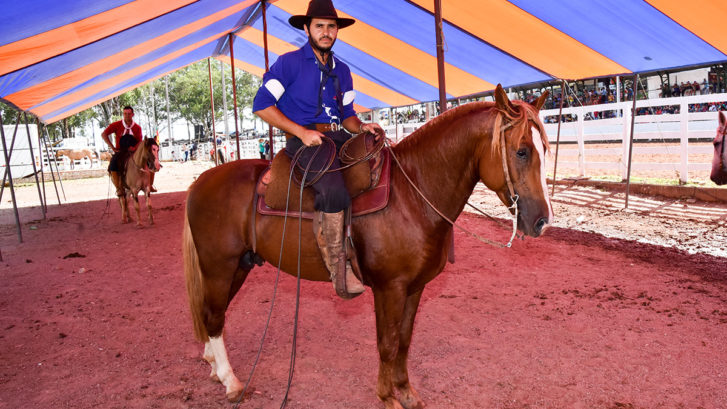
[{"x": 58, "y": 58}]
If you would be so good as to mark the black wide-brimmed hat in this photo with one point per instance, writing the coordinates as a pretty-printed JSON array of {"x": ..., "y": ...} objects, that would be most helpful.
[{"x": 320, "y": 9}]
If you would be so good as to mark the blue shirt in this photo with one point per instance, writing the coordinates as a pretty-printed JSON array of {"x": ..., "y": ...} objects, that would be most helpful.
[{"x": 293, "y": 83}]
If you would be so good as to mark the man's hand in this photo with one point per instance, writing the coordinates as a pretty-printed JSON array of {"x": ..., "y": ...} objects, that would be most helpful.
[
  {"x": 311, "y": 137},
  {"x": 374, "y": 128}
]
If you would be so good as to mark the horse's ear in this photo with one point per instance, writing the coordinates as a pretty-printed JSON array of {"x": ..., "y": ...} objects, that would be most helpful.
[
  {"x": 502, "y": 102},
  {"x": 541, "y": 101},
  {"x": 722, "y": 119}
]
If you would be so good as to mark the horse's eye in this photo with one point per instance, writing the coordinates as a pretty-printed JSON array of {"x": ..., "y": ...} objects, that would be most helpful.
[{"x": 522, "y": 153}]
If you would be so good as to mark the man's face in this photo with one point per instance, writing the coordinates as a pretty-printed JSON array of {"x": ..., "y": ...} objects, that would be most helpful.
[
  {"x": 128, "y": 115},
  {"x": 322, "y": 33}
]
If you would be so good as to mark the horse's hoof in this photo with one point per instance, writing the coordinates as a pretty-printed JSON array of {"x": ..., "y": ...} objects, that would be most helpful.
[
  {"x": 234, "y": 391},
  {"x": 392, "y": 403},
  {"x": 214, "y": 377}
]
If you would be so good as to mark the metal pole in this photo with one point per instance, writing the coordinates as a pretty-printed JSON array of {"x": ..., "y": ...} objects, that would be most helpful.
[
  {"x": 35, "y": 170},
  {"x": 169, "y": 115},
  {"x": 234, "y": 94},
  {"x": 9, "y": 173},
  {"x": 267, "y": 68},
  {"x": 224, "y": 97},
  {"x": 631, "y": 139},
  {"x": 212, "y": 103},
  {"x": 442, "y": 87},
  {"x": 557, "y": 140},
  {"x": 46, "y": 141},
  {"x": 10, "y": 153},
  {"x": 40, "y": 155}
]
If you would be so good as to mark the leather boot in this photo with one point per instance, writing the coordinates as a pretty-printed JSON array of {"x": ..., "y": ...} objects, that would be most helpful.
[{"x": 329, "y": 234}]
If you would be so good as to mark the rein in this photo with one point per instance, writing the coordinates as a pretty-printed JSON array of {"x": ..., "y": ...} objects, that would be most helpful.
[{"x": 513, "y": 196}]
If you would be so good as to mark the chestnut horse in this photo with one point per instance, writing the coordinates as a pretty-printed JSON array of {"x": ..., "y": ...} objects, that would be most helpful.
[
  {"x": 719, "y": 161},
  {"x": 400, "y": 248},
  {"x": 137, "y": 177}
]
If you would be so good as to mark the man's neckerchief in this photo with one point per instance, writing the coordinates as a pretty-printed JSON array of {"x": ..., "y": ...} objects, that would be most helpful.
[{"x": 327, "y": 72}]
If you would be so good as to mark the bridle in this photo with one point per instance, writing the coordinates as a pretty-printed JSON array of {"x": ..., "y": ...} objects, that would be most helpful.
[
  {"x": 511, "y": 191},
  {"x": 723, "y": 131}
]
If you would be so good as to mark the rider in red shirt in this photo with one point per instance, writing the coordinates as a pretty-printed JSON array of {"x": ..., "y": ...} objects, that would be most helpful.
[{"x": 127, "y": 138}]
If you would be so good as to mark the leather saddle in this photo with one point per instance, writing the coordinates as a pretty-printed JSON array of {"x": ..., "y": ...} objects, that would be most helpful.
[{"x": 367, "y": 183}]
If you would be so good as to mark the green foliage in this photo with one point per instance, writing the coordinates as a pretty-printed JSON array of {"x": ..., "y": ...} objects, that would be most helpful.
[{"x": 189, "y": 99}]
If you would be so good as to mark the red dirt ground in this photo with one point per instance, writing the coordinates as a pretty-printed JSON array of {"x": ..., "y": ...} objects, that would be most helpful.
[{"x": 93, "y": 314}]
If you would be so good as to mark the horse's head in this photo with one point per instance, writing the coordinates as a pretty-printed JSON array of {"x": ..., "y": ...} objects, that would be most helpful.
[
  {"x": 151, "y": 155},
  {"x": 719, "y": 161},
  {"x": 518, "y": 133}
]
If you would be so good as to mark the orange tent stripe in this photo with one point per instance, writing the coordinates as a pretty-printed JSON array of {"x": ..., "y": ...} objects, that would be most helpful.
[
  {"x": 38, "y": 93},
  {"x": 401, "y": 55},
  {"x": 40, "y": 47},
  {"x": 109, "y": 82},
  {"x": 361, "y": 84},
  {"x": 704, "y": 18},
  {"x": 242, "y": 65},
  {"x": 507, "y": 27},
  {"x": 66, "y": 114}
]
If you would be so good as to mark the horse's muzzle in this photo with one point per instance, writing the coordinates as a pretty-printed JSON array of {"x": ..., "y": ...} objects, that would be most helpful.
[{"x": 540, "y": 226}]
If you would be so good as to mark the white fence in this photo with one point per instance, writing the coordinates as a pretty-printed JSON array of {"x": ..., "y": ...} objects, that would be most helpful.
[{"x": 683, "y": 127}]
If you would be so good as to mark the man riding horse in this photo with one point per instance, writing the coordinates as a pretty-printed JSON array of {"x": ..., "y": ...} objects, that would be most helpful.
[
  {"x": 308, "y": 93},
  {"x": 127, "y": 138}
]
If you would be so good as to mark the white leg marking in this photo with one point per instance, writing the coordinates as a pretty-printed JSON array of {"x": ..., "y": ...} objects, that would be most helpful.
[
  {"x": 224, "y": 371},
  {"x": 209, "y": 356},
  {"x": 540, "y": 148}
]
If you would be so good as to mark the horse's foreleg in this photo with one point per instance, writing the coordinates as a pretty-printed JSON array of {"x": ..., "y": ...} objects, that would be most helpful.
[
  {"x": 209, "y": 356},
  {"x": 389, "y": 306},
  {"x": 408, "y": 397},
  {"x": 138, "y": 210},
  {"x": 124, "y": 209},
  {"x": 148, "y": 206}
]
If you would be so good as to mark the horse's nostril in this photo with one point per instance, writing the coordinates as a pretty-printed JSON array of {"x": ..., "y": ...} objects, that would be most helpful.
[{"x": 540, "y": 224}]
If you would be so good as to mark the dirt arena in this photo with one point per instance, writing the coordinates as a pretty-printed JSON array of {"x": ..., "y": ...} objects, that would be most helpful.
[{"x": 612, "y": 308}]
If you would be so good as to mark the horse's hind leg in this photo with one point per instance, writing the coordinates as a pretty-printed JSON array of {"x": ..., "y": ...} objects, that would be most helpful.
[
  {"x": 220, "y": 292},
  {"x": 408, "y": 397}
]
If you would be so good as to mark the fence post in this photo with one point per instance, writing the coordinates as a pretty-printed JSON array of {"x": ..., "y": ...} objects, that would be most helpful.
[
  {"x": 581, "y": 144},
  {"x": 683, "y": 141},
  {"x": 626, "y": 117}
]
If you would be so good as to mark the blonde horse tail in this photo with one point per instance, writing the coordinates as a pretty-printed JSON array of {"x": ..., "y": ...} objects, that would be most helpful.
[{"x": 194, "y": 281}]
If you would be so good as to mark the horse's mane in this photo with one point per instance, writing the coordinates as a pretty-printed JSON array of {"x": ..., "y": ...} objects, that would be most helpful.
[{"x": 518, "y": 117}]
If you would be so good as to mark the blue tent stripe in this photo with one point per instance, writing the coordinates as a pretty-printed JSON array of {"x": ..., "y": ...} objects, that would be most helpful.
[
  {"x": 184, "y": 60},
  {"x": 158, "y": 53},
  {"x": 22, "y": 19},
  {"x": 255, "y": 55},
  {"x": 471, "y": 53},
  {"x": 45, "y": 70},
  {"x": 631, "y": 33},
  {"x": 360, "y": 63}
]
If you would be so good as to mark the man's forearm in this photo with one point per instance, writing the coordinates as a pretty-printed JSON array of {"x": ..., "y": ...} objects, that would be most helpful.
[{"x": 273, "y": 116}]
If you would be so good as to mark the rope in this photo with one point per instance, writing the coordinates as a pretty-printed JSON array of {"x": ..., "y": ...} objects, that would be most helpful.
[{"x": 512, "y": 207}]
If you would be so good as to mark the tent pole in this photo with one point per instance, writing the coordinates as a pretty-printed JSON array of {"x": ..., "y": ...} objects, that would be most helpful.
[
  {"x": 10, "y": 177},
  {"x": 169, "y": 116},
  {"x": 442, "y": 87},
  {"x": 10, "y": 154},
  {"x": 557, "y": 140},
  {"x": 234, "y": 94},
  {"x": 35, "y": 170},
  {"x": 212, "y": 104},
  {"x": 40, "y": 155},
  {"x": 267, "y": 68},
  {"x": 631, "y": 139},
  {"x": 46, "y": 142}
]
